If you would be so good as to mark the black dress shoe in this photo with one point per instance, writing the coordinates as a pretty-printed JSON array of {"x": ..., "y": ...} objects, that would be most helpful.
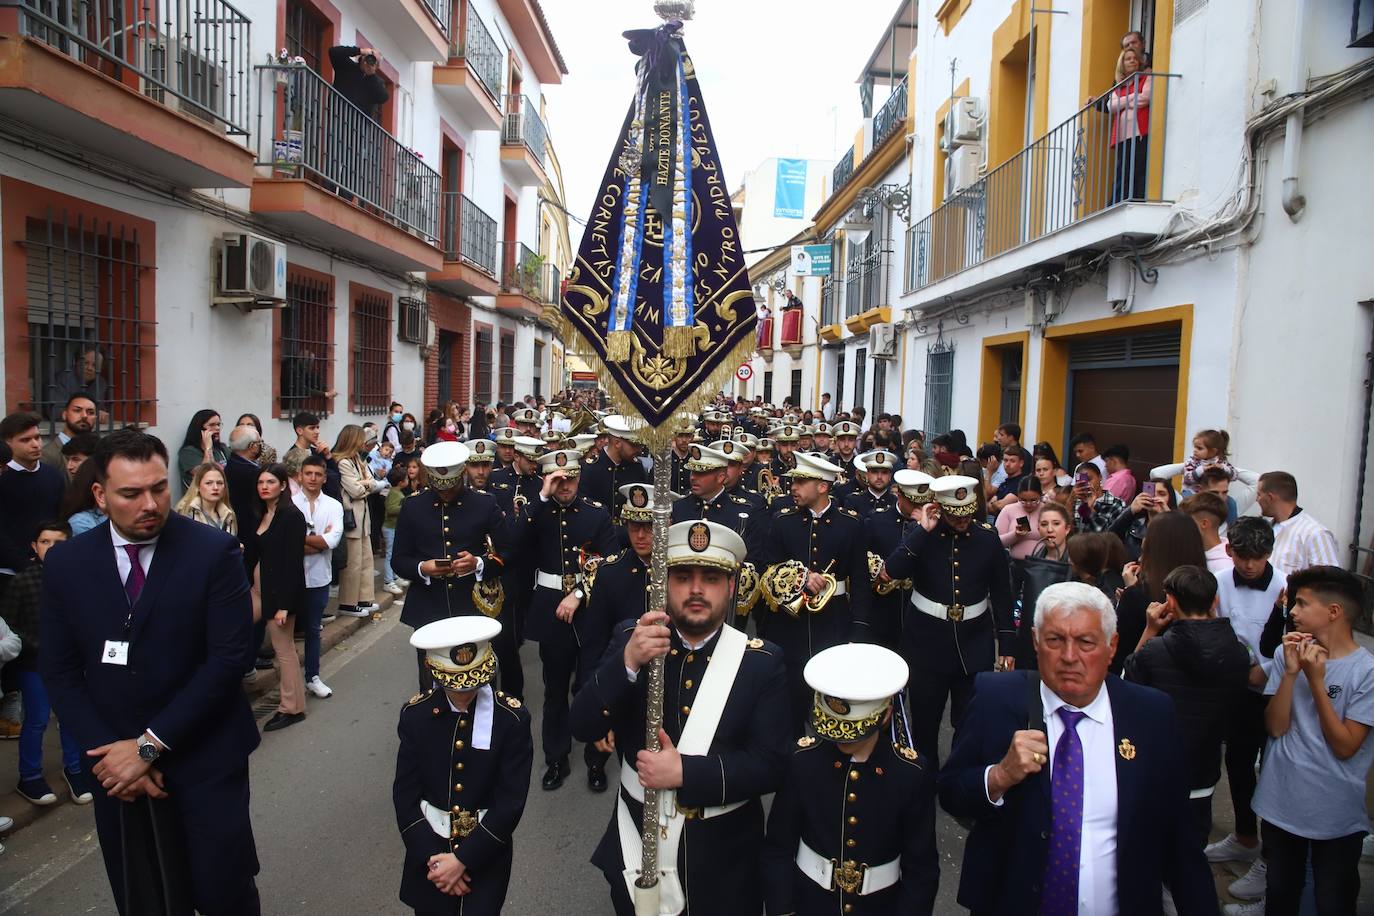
[
  {"x": 558, "y": 771},
  {"x": 282, "y": 720},
  {"x": 596, "y": 778}
]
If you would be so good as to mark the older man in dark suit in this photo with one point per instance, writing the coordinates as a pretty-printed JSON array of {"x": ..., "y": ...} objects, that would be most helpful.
[
  {"x": 146, "y": 623},
  {"x": 1076, "y": 780}
]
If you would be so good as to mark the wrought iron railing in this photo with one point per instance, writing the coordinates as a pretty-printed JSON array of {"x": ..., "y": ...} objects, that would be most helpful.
[
  {"x": 844, "y": 170},
  {"x": 481, "y": 52},
  {"x": 316, "y": 133},
  {"x": 520, "y": 270},
  {"x": 191, "y": 55},
  {"x": 891, "y": 114},
  {"x": 469, "y": 233},
  {"x": 1097, "y": 159},
  {"x": 442, "y": 11},
  {"x": 523, "y": 125},
  {"x": 828, "y": 285}
]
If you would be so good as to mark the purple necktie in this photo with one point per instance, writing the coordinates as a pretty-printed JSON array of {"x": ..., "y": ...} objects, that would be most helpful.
[
  {"x": 133, "y": 586},
  {"x": 1060, "y": 897}
]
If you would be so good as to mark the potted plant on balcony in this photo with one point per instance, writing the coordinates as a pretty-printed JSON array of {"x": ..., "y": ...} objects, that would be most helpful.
[{"x": 529, "y": 274}]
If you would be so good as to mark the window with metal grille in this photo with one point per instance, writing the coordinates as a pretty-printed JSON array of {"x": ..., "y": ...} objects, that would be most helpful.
[
  {"x": 939, "y": 387},
  {"x": 538, "y": 369},
  {"x": 879, "y": 387},
  {"x": 507, "y": 366},
  {"x": 768, "y": 387},
  {"x": 860, "y": 375},
  {"x": 839, "y": 381},
  {"x": 414, "y": 323},
  {"x": 86, "y": 325},
  {"x": 371, "y": 323},
  {"x": 1010, "y": 409},
  {"x": 481, "y": 379},
  {"x": 307, "y": 344},
  {"x": 305, "y": 33}
]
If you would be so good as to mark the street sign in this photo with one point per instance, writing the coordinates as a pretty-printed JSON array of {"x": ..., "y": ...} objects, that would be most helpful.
[
  {"x": 745, "y": 372},
  {"x": 811, "y": 260}
]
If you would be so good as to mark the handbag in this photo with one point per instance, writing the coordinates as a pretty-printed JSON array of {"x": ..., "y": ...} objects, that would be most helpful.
[
  {"x": 1032, "y": 575},
  {"x": 350, "y": 521}
]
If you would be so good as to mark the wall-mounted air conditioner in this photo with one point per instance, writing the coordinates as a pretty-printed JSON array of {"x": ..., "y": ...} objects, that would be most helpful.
[
  {"x": 882, "y": 341},
  {"x": 252, "y": 267},
  {"x": 196, "y": 83},
  {"x": 968, "y": 118},
  {"x": 964, "y": 165}
]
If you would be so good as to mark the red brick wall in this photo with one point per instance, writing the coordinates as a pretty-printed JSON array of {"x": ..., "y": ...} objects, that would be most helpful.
[{"x": 454, "y": 316}]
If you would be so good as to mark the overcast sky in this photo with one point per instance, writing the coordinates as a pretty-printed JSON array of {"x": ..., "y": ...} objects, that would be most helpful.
[{"x": 778, "y": 79}]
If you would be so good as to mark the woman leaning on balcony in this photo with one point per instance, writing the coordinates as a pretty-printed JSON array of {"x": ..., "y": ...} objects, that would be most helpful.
[{"x": 1128, "y": 103}]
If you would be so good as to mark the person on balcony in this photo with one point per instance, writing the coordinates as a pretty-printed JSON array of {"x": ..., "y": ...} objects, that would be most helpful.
[
  {"x": 1128, "y": 103},
  {"x": 792, "y": 320},
  {"x": 356, "y": 78}
]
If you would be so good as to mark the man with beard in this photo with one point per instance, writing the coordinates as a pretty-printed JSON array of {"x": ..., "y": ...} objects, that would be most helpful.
[
  {"x": 846, "y": 442},
  {"x": 617, "y": 465},
  {"x": 683, "y": 432},
  {"x": 886, "y": 528},
  {"x": 960, "y": 622},
  {"x": 878, "y": 466},
  {"x": 785, "y": 460},
  {"x": 147, "y": 625},
  {"x": 78, "y": 417},
  {"x": 723, "y": 744},
  {"x": 710, "y": 499}
]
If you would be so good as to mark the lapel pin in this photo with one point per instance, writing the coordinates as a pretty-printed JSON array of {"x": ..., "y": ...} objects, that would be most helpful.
[{"x": 1126, "y": 749}]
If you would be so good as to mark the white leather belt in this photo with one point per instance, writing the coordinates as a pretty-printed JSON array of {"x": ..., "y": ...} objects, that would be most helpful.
[
  {"x": 869, "y": 879},
  {"x": 955, "y": 612},
  {"x": 551, "y": 580},
  {"x": 841, "y": 586},
  {"x": 1202, "y": 793},
  {"x": 629, "y": 781},
  {"x": 441, "y": 821}
]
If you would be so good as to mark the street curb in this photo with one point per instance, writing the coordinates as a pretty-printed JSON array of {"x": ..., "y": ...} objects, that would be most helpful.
[{"x": 26, "y": 814}]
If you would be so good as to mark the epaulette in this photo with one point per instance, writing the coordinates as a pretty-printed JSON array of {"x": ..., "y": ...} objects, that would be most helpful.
[
  {"x": 739, "y": 500},
  {"x": 589, "y": 460},
  {"x": 502, "y": 486},
  {"x": 806, "y": 742},
  {"x": 987, "y": 526},
  {"x": 787, "y": 511},
  {"x": 882, "y": 508},
  {"x": 850, "y": 512},
  {"x": 508, "y": 701},
  {"x": 593, "y": 502},
  {"x": 421, "y": 696},
  {"x": 909, "y": 754},
  {"x": 615, "y": 557},
  {"x": 755, "y": 644}
]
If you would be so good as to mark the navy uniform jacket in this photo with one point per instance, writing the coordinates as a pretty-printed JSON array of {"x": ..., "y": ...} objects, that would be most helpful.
[
  {"x": 1156, "y": 839},
  {"x": 933, "y": 561},
  {"x": 517, "y": 570},
  {"x": 681, "y": 480},
  {"x": 886, "y": 805},
  {"x": 864, "y": 502},
  {"x": 602, "y": 479},
  {"x": 838, "y": 536},
  {"x": 439, "y": 762},
  {"x": 611, "y": 595},
  {"x": 737, "y": 513},
  {"x": 783, "y": 465},
  {"x": 429, "y": 528},
  {"x": 506, "y": 482},
  {"x": 753, "y": 476},
  {"x": 884, "y": 529},
  {"x": 557, "y": 537},
  {"x": 718, "y": 859}
]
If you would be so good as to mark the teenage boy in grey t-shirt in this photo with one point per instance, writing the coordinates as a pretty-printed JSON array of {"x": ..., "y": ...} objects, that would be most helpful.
[{"x": 1311, "y": 787}]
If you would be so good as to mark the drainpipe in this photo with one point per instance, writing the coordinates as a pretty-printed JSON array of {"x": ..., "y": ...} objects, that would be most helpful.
[
  {"x": 1293, "y": 200},
  {"x": 1360, "y": 481}
]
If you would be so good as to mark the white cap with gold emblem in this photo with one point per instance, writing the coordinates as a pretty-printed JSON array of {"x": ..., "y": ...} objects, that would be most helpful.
[
  {"x": 785, "y": 433},
  {"x": 458, "y": 650},
  {"x": 812, "y": 466},
  {"x": 528, "y": 446},
  {"x": 766, "y": 446},
  {"x": 505, "y": 435},
  {"x": 854, "y": 685},
  {"x": 525, "y": 415},
  {"x": 703, "y": 543},
  {"x": 822, "y": 429},
  {"x": 684, "y": 424},
  {"x": 584, "y": 441},
  {"x": 568, "y": 460},
  {"x": 957, "y": 495},
  {"x": 914, "y": 485},
  {"x": 748, "y": 440},
  {"x": 444, "y": 464},
  {"x": 844, "y": 428},
  {"x": 878, "y": 459},
  {"x": 734, "y": 452},
  {"x": 639, "y": 502},
  {"x": 705, "y": 458},
  {"x": 480, "y": 451},
  {"x": 623, "y": 427}
]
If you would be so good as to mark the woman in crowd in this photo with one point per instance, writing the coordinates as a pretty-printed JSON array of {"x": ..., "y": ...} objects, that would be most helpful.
[
  {"x": 267, "y": 455},
  {"x": 275, "y": 552},
  {"x": 1097, "y": 559},
  {"x": 1018, "y": 524},
  {"x": 1051, "y": 476},
  {"x": 1155, "y": 496},
  {"x": 1128, "y": 104},
  {"x": 1171, "y": 540},
  {"x": 201, "y": 445},
  {"x": 78, "y": 503},
  {"x": 478, "y": 427},
  {"x": 1055, "y": 523},
  {"x": 207, "y": 500},
  {"x": 356, "y": 483}
]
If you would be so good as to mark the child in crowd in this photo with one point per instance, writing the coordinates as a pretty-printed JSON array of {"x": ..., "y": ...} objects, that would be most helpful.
[
  {"x": 398, "y": 476},
  {"x": 21, "y": 606},
  {"x": 1321, "y": 708},
  {"x": 1209, "y": 450},
  {"x": 380, "y": 459},
  {"x": 410, "y": 448}
]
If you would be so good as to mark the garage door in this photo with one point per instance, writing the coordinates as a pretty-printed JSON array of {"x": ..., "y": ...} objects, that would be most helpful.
[{"x": 1124, "y": 389}]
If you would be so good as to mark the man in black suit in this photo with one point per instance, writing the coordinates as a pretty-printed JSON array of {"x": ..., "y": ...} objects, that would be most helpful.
[
  {"x": 146, "y": 623},
  {"x": 1076, "y": 780}
]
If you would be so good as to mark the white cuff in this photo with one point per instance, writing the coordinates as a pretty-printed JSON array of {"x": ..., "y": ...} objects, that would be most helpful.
[
  {"x": 165, "y": 745},
  {"x": 631, "y": 676},
  {"x": 987, "y": 794},
  {"x": 481, "y": 565},
  {"x": 543, "y": 498},
  {"x": 419, "y": 571}
]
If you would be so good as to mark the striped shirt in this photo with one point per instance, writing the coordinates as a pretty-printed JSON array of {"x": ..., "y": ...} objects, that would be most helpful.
[{"x": 1301, "y": 541}]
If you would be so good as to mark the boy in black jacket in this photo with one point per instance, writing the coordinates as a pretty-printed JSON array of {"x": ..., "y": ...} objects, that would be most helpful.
[{"x": 1194, "y": 656}]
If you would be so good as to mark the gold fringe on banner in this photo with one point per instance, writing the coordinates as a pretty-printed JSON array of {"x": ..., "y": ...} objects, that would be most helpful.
[
  {"x": 680, "y": 342},
  {"x": 618, "y": 346}
]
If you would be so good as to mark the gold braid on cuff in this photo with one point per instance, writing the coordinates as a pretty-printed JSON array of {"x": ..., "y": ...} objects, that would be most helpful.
[
  {"x": 471, "y": 679},
  {"x": 832, "y": 728}
]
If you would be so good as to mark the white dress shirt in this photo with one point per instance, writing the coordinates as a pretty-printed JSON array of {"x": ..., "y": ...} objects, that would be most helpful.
[
  {"x": 1097, "y": 856},
  {"x": 1301, "y": 541},
  {"x": 145, "y": 554},
  {"x": 325, "y": 517}
]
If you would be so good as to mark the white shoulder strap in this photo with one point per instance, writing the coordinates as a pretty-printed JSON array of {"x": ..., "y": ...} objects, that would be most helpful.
[{"x": 701, "y": 725}]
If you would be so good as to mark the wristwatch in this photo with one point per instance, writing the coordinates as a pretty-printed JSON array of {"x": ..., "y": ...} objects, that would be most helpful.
[
  {"x": 147, "y": 750},
  {"x": 579, "y": 594}
]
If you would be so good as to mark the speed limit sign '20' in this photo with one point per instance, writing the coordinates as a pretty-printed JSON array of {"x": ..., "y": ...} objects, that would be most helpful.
[{"x": 745, "y": 372}]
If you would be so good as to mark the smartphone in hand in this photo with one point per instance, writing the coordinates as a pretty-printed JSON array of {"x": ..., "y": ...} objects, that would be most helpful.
[{"x": 1023, "y": 524}]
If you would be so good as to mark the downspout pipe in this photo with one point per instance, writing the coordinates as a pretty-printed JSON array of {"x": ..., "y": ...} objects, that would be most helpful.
[{"x": 1293, "y": 200}]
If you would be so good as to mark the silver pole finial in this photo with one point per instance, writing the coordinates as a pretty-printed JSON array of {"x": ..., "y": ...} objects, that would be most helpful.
[{"x": 668, "y": 10}]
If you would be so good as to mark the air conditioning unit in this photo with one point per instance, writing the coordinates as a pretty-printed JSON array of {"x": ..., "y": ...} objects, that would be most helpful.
[
  {"x": 196, "y": 84},
  {"x": 882, "y": 341},
  {"x": 968, "y": 120},
  {"x": 252, "y": 266},
  {"x": 964, "y": 164}
]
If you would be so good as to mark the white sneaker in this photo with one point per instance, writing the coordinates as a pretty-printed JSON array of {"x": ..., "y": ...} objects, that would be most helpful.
[
  {"x": 1167, "y": 904},
  {"x": 6, "y": 823},
  {"x": 365, "y": 611},
  {"x": 1253, "y": 908},
  {"x": 405, "y": 583},
  {"x": 318, "y": 688},
  {"x": 1367, "y": 850},
  {"x": 1250, "y": 886},
  {"x": 328, "y": 618},
  {"x": 393, "y": 588},
  {"x": 1230, "y": 849}
]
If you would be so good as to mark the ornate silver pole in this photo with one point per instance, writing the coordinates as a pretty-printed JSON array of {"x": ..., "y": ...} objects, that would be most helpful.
[{"x": 646, "y": 886}]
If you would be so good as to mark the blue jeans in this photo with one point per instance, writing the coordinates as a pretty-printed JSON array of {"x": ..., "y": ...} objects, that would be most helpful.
[
  {"x": 388, "y": 574},
  {"x": 315, "y": 601},
  {"x": 37, "y": 711}
]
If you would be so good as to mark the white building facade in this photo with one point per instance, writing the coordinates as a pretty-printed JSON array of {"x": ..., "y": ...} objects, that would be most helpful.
[{"x": 225, "y": 230}]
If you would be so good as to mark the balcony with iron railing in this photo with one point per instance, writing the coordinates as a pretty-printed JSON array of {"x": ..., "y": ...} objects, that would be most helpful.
[
  {"x": 472, "y": 79},
  {"x": 420, "y": 28},
  {"x": 160, "y": 85},
  {"x": 843, "y": 171},
  {"x": 1091, "y": 181},
  {"x": 524, "y": 141},
  {"x": 330, "y": 170},
  {"x": 469, "y": 245},
  {"x": 892, "y": 115},
  {"x": 527, "y": 282}
]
